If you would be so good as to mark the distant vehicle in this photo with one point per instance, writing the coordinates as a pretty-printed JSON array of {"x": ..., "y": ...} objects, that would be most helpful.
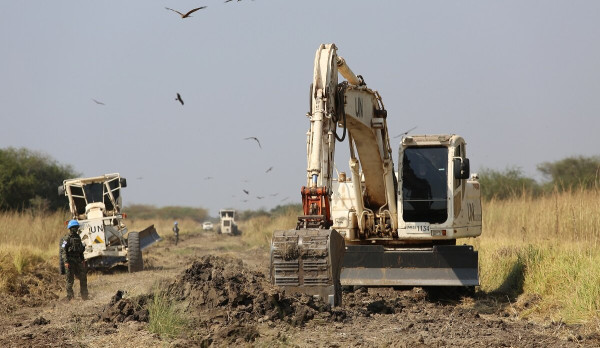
[
  {"x": 207, "y": 226},
  {"x": 228, "y": 225}
]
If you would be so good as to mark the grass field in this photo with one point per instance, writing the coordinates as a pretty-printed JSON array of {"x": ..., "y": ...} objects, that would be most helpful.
[
  {"x": 541, "y": 249},
  {"x": 545, "y": 247}
]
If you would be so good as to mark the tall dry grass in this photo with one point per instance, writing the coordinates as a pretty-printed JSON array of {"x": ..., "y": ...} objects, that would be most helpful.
[
  {"x": 572, "y": 216},
  {"x": 41, "y": 232},
  {"x": 257, "y": 231},
  {"x": 27, "y": 240},
  {"x": 545, "y": 248},
  {"x": 164, "y": 227}
]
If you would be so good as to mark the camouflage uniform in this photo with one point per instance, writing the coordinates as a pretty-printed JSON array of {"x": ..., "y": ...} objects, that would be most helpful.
[
  {"x": 176, "y": 231},
  {"x": 71, "y": 252}
]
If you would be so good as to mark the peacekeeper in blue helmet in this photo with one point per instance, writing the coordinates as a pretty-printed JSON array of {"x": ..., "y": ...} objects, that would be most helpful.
[{"x": 71, "y": 254}]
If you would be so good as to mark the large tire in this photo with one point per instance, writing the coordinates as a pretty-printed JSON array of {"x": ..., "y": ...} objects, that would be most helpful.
[{"x": 134, "y": 254}]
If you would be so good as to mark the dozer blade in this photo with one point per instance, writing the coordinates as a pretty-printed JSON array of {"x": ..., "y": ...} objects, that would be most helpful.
[
  {"x": 148, "y": 236},
  {"x": 308, "y": 261},
  {"x": 441, "y": 265}
]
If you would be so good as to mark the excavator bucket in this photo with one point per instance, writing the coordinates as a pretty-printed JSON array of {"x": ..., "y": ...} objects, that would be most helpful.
[
  {"x": 148, "y": 236},
  {"x": 441, "y": 265},
  {"x": 308, "y": 261}
]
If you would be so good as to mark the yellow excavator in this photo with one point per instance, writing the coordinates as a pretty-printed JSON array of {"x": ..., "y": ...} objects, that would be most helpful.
[{"x": 379, "y": 227}]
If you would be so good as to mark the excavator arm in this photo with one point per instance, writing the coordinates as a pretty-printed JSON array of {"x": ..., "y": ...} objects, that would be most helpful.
[
  {"x": 359, "y": 111},
  {"x": 308, "y": 259}
]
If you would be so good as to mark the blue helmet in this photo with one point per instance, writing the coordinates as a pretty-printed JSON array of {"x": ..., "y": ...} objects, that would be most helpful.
[{"x": 73, "y": 223}]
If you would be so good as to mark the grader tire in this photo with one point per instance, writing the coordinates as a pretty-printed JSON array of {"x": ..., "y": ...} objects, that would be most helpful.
[{"x": 134, "y": 253}]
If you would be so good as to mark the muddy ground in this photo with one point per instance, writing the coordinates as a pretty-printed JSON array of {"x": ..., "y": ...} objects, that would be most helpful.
[{"x": 221, "y": 288}]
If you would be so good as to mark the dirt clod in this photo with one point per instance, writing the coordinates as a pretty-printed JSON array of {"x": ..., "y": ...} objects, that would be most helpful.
[
  {"x": 41, "y": 321},
  {"x": 121, "y": 309}
]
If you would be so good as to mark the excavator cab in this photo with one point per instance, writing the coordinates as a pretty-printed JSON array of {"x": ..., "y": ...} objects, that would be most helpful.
[
  {"x": 424, "y": 188},
  {"x": 438, "y": 198}
]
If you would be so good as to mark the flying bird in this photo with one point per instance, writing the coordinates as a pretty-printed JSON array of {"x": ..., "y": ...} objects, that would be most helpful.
[
  {"x": 186, "y": 15},
  {"x": 273, "y": 194},
  {"x": 285, "y": 199},
  {"x": 405, "y": 133},
  {"x": 254, "y": 138},
  {"x": 259, "y": 197},
  {"x": 98, "y": 102},
  {"x": 246, "y": 192},
  {"x": 268, "y": 170},
  {"x": 179, "y": 98},
  {"x": 208, "y": 178}
]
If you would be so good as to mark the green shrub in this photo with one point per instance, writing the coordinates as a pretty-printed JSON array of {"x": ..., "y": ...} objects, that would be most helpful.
[{"x": 165, "y": 320}]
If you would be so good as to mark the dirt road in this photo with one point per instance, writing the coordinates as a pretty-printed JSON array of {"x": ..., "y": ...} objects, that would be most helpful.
[{"x": 221, "y": 287}]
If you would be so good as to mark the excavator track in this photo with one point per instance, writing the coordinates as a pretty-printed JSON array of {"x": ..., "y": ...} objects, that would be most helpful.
[{"x": 308, "y": 261}]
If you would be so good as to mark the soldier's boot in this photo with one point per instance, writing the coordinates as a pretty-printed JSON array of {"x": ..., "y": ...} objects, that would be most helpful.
[
  {"x": 84, "y": 292},
  {"x": 83, "y": 284},
  {"x": 69, "y": 285}
]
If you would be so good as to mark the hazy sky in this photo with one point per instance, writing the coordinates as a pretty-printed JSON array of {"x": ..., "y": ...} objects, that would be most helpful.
[{"x": 520, "y": 80}]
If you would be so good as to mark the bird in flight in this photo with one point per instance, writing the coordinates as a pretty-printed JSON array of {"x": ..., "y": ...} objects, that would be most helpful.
[
  {"x": 179, "y": 98},
  {"x": 254, "y": 138},
  {"x": 268, "y": 170},
  {"x": 273, "y": 194},
  {"x": 208, "y": 178},
  {"x": 246, "y": 192},
  {"x": 259, "y": 197},
  {"x": 285, "y": 199},
  {"x": 186, "y": 15},
  {"x": 98, "y": 102},
  {"x": 405, "y": 133}
]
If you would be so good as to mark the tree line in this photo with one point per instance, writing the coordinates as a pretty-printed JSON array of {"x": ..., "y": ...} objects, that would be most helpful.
[
  {"x": 144, "y": 211},
  {"x": 29, "y": 181},
  {"x": 572, "y": 173}
]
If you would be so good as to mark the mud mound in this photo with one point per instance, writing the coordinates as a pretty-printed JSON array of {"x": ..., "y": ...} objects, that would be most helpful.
[
  {"x": 234, "y": 333},
  {"x": 365, "y": 303},
  {"x": 222, "y": 293},
  {"x": 121, "y": 309},
  {"x": 33, "y": 288}
]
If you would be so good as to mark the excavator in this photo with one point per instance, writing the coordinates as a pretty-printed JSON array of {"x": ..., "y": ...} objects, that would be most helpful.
[{"x": 379, "y": 227}]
